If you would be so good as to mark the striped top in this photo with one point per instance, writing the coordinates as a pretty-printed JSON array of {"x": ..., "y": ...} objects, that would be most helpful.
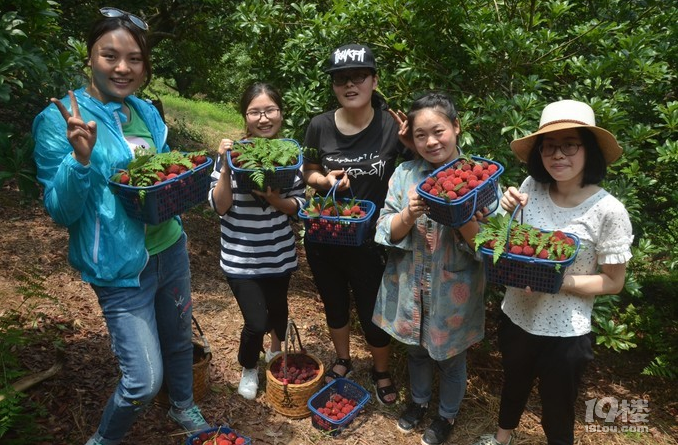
[{"x": 257, "y": 240}]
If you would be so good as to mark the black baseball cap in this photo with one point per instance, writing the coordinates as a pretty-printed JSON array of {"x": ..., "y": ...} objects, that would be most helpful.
[{"x": 351, "y": 56}]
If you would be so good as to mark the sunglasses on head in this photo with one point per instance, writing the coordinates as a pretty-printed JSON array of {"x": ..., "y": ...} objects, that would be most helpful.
[{"x": 115, "y": 12}]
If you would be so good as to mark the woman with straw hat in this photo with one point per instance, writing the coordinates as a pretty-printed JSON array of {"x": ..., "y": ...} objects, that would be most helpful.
[{"x": 546, "y": 336}]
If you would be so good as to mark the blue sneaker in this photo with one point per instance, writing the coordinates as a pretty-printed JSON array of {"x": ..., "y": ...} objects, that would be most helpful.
[
  {"x": 190, "y": 419},
  {"x": 96, "y": 439}
]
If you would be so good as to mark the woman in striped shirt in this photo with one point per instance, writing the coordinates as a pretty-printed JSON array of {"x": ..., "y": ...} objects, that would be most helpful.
[{"x": 258, "y": 250}]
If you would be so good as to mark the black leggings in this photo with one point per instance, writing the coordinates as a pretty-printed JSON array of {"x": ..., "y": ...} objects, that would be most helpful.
[
  {"x": 338, "y": 270},
  {"x": 263, "y": 303},
  {"x": 558, "y": 363}
]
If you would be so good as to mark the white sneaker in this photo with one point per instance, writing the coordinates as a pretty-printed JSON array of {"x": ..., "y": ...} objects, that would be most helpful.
[
  {"x": 249, "y": 383},
  {"x": 270, "y": 355}
]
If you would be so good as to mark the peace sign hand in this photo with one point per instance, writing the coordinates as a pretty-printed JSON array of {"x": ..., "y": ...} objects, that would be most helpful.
[
  {"x": 403, "y": 130},
  {"x": 81, "y": 135}
]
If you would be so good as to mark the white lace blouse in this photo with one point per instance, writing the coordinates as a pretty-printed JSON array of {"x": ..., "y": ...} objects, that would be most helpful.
[{"x": 603, "y": 226}]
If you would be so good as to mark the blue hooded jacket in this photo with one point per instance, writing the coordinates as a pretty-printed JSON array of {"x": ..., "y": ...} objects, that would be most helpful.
[{"x": 105, "y": 245}]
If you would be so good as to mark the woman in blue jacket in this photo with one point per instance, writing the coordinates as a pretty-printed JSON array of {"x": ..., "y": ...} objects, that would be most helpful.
[{"x": 140, "y": 273}]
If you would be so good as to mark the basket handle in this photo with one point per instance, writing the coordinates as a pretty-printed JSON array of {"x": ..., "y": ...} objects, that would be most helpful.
[
  {"x": 291, "y": 333},
  {"x": 333, "y": 191},
  {"x": 513, "y": 216},
  {"x": 205, "y": 343}
]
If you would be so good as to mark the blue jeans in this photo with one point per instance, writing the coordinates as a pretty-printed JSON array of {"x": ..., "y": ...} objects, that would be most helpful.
[
  {"x": 150, "y": 330},
  {"x": 452, "y": 379}
]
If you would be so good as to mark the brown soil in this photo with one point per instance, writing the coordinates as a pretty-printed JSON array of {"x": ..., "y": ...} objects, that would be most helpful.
[{"x": 34, "y": 258}]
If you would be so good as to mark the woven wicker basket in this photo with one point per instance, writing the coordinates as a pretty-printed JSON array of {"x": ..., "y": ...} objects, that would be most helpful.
[
  {"x": 201, "y": 376},
  {"x": 290, "y": 399}
]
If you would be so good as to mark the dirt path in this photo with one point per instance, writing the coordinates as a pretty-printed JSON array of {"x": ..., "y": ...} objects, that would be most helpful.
[{"x": 34, "y": 258}]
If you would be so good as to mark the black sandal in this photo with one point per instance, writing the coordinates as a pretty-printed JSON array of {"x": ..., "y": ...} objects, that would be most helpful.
[
  {"x": 332, "y": 374},
  {"x": 384, "y": 390}
]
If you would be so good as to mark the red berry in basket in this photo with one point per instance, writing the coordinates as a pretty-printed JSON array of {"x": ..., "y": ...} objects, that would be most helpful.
[
  {"x": 543, "y": 254},
  {"x": 516, "y": 250},
  {"x": 174, "y": 168},
  {"x": 240, "y": 441},
  {"x": 124, "y": 178}
]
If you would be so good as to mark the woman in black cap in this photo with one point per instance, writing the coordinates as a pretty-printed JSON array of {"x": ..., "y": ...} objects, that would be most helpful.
[{"x": 357, "y": 146}]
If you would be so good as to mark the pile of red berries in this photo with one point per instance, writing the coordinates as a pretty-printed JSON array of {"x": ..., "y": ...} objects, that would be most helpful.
[
  {"x": 524, "y": 239},
  {"x": 219, "y": 438},
  {"x": 337, "y": 407},
  {"x": 458, "y": 179},
  {"x": 300, "y": 369}
]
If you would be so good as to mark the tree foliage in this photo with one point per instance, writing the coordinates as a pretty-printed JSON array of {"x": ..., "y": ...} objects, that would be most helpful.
[{"x": 503, "y": 61}]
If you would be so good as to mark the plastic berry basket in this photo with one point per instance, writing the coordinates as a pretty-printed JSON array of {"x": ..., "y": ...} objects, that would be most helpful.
[
  {"x": 345, "y": 388},
  {"x": 520, "y": 271},
  {"x": 280, "y": 178},
  {"x": 200, "y": 437},
  {"x": 339, "y": 230},
  {"x": 157, "y": 203},
  {"x": 458, "y": 212}
]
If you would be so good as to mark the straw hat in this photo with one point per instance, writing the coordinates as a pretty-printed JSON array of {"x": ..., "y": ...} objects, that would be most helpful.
[{"x": 568, "y": 114}]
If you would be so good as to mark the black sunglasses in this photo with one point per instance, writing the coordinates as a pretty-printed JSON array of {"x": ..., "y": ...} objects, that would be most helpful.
[{"x": 115, "y": 12}]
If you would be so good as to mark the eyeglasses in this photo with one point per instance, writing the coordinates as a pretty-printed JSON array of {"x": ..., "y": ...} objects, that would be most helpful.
[
  {"x": 568, "y": 148},
  {"x": 115, "y": 12},
  {"x": 255, "y": 115},
  {"x": 339, "y": 80}
]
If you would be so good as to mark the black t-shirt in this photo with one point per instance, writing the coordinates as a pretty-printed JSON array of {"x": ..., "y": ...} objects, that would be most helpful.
[{"x": 369, "y": 156}]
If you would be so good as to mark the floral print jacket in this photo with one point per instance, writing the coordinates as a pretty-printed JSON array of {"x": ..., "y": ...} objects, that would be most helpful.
[{"x": 432, "y": 290}]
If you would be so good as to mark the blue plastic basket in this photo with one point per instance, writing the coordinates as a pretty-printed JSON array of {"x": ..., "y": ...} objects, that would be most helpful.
[
  {"x": 339, "y": 230},
  {"x": 280, "y": 178},
  {"x": 345, "y": 388},
  {"x": 458, "y": 212},
  {"x": 522, "y": 271},
  {"x": 211, "y": 431},
  {"x": 158, "y": 203}
]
